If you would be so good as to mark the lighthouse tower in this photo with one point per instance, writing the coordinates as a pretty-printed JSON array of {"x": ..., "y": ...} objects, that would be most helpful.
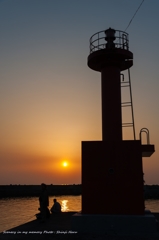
[{"x": 112, "y": 171}]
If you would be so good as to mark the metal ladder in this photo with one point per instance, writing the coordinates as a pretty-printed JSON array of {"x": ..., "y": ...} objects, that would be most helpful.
[{"x": 124, "y": 104}]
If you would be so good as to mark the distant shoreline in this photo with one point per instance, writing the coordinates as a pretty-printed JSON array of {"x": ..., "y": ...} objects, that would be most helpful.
[{"x": 7, "y": 191}]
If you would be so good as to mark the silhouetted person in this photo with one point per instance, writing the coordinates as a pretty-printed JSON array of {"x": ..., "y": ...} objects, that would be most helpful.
[
  {"x": 44, "y": 202},
  {"x": 56, "y": 208}
]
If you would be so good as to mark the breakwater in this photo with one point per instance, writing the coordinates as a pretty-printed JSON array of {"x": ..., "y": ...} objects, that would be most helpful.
[
  {"x": 35, "y": 190},
  {"x": 150, "y": 191}
]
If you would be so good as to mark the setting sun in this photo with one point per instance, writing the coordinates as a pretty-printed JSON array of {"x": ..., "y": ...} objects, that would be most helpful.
[{"x": 64, "y": 164}]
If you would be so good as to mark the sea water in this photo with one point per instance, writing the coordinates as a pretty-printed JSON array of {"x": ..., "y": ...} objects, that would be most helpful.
[{"x": 17, "y": 211}]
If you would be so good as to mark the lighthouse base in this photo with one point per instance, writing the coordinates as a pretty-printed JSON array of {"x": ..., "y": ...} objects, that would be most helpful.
[
  {"x": 112, "y": 178},
  {"x": 115, "y": 225}
]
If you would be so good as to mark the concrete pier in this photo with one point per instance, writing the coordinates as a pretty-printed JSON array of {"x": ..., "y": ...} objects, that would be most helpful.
[
  {"x": 116, "y": 225},
  {"x": 59, "y": 227}
]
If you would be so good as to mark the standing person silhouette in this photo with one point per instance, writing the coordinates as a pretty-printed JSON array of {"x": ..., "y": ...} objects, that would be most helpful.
[{"x": 44, "y": 202}]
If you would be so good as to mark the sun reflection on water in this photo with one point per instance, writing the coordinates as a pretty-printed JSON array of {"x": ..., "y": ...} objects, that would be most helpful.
[{"x": 64, "y": 206}]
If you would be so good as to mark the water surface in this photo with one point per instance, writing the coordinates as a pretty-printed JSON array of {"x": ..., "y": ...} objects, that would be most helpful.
[{"x": 16, "y": 211}]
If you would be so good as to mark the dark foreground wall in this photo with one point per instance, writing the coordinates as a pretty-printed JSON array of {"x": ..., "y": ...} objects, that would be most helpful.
[
  {"x": 150, "y": 191},
  {"x": 34, "y": 190}
]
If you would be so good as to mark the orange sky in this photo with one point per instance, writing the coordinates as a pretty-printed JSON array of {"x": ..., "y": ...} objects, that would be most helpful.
[{"x": 50, "y": 100}]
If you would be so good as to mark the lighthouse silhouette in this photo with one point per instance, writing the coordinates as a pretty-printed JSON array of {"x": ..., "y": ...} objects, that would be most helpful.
[{"x": 112, "y": 171}]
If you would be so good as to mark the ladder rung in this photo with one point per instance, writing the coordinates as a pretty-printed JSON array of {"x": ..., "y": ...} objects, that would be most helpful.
[
  {"x": 127, "y": 124},
  {"x": 123, "y": 82},
  {"x": 126, "y": 104},
  {"x": 126, "y": 86}
]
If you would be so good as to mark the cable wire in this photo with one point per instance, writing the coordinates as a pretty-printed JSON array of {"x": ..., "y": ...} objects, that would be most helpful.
[{"x": 134, "y": 14}]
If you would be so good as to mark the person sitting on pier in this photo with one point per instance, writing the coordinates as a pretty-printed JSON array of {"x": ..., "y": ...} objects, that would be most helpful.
[{"x": 56, "y": 208}]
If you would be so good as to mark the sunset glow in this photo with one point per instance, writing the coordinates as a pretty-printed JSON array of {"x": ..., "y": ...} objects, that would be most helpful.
[{"x": 50, "y": 100}]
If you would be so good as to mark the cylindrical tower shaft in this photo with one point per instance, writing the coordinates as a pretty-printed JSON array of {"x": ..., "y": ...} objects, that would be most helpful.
[
  {"x": 109, "y": 54},
  {"x": 111, "y": 104}
]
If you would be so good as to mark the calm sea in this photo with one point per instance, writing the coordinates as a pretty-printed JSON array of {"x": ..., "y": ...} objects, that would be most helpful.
[{"x": 16, "y": 211}]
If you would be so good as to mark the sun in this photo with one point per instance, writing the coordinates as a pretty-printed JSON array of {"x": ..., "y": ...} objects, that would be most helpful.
[{"x": 64, "y": 164}]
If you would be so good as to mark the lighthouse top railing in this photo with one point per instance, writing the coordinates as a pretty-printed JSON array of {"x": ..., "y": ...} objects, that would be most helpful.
[{"x": 98, "y": 42}]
